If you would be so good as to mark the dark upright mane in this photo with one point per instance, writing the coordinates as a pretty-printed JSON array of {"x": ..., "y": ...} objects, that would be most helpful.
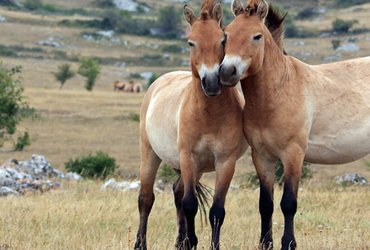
[
  {"x": 275, "y": 24},
  {"x": 207, "y": 8}
]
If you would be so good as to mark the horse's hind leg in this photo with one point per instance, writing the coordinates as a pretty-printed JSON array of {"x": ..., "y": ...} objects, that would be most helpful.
[
  {"x": 178, "y": 191},
  {"x": 224, "y": 175},
  {"x": 148, "y": 169}
]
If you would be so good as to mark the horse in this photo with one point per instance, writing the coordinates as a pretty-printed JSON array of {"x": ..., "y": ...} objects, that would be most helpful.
[
  {"x": 189, "y": 123},
  {"x": 130, "y": 86},
  {"x": 293, "y": 111}
]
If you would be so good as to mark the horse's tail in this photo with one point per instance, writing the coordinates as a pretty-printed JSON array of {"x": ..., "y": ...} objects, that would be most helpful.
[{"x": 203, "y": 194}]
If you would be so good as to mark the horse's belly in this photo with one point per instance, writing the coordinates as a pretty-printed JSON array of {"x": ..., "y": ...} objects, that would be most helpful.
[{"x": 337, "y": 147}]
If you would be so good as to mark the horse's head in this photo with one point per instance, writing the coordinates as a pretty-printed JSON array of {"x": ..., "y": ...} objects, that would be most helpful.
[
  {"x": 244, "y": 49},
  {"x": 206, "y": 40}
]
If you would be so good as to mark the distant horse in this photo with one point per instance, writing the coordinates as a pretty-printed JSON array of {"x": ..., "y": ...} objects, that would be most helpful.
[
  {"x": 188, "y": 122},
  {"x": 130, "y": 86},
  {"x": 293, "y": 111}
]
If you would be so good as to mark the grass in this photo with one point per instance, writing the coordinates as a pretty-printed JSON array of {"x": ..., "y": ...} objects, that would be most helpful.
[
  {"x": 74, "y": 122},
  {"x": 81, "y": 216}
]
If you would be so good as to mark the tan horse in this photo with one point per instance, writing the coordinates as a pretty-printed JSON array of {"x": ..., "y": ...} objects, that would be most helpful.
[
  {"x": 189, "y": 123},
  {"x": 130, "y": 86},
  {"x": 293, "y": 111}
]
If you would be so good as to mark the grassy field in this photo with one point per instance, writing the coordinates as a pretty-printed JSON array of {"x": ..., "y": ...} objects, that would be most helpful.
[
  {"x": 73, "y": 122},
  {"x": 84, "y": 217}
]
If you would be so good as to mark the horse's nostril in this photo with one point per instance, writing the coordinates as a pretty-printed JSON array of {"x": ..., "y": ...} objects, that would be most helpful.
[{"x": 233, "y": 71}]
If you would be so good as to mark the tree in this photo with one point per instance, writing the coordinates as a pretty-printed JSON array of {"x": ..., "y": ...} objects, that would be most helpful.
[
  {"x": 89, "y": 68},
  {"x": 64, "y": 74},
  {"x": 169, "y": 20},
  {"x": 13, "y": 108}
]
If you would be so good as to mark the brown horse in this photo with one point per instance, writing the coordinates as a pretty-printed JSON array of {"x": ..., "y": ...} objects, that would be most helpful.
[
  {"x": 130, "y": 86},
  {"x": 189, "y": 123},
  {"x": 293, "y": 111}
]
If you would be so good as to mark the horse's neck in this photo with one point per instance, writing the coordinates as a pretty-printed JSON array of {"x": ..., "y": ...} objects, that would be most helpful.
[
  {"x": 200, "y": 103},
  {"x": 265, "y": 90}
]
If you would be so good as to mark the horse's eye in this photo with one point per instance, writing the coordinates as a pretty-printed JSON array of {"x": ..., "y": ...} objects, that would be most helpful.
[
  {"x": 191, "y": 44},
  {"x": 257, "y": 37}
]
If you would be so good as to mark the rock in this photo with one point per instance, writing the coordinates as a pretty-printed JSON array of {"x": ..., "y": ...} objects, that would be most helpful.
[
  {"x": 49, "y": 42},
  {"x": 146, "y": 75},
  {"x": 333, "y": 58},
  {"x": 2, "y": 19},
  {"x": 128, "y": 5},
  {"x": 349, "y": 47},
  {"x": 351, "y": 178},
  {"x": 6, "y": 191},
  {"x": 124, "y": 185},
  {"x": 106, "y": 33},
  {"x": 73, "y": 176}
]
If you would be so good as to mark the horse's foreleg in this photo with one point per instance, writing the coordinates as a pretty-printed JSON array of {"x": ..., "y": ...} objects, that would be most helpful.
[
  {"x": 224, "y": 175},
  {"x": 189, "y": 200},
  {"x": 266, "y": 174},
  {"x": 293, "y": 162},
  {"x": 148, "y": 169},
  {"x": 178, "y": 192}
]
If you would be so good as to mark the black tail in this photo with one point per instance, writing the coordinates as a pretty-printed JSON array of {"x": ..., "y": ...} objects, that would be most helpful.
[{"x": 203, "y": 194}]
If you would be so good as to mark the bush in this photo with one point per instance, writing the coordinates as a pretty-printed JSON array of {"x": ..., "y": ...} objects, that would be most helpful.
[
  {"x": 100, "y": 165},
  {"x": 89, "y": 68},
  {"x": 13, "y": 108},
  {"x": 343, "y": 26},
  {"x": 169, "y": 21},
  {"x": 173, "y": 48},
  {"x": 335, "y": 43},
  {"x": 152, "y": 79},
  {"x": 64, "y": 73},
  {"x": 346, "y": 3},
  {"x": 22, "y": 142},
  {"x": 252, "y": 180},
  {"x": 307, "y": 13},
  {"x": 104, "y": 3},
  {"x": 167, "y": 174},
  {"x": 33, "y": 4}
]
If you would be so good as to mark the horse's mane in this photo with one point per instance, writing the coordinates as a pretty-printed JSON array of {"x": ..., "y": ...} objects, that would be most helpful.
[
  {"x": 275, "y": 24},
  {"x": 207, "y": 8}
]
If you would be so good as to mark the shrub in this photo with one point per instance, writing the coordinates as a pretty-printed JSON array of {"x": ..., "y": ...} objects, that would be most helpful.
[
  {"x": 100, "y": 165},
  {"x": 346, "y": 3},
  {"x": 307, "y": 13},
  {"x": 135, "y": 117},
  {"x": 251, "y": 179},
  {"x": 152, "y": 79},
  {"x": 173, "y": 48},
  {"x": 13, "y": 108},
  {"x": 167, "y": 174},
  {"x": 89, "y": 68},
  {"x": 33, "y": 4},
  {"x": 343, "y": 26},
  {"x": 22, "y": 142},
  {"x": 104, "y": 3},
  {"x": 335, "y": 43},
  {"x": 64, "y": 73}
]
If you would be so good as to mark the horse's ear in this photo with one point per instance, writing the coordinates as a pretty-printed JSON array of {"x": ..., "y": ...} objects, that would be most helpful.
[
  {"x": 217, "y": 13},
  {"x": 237, "y": 7},
  {"x": 262, "y": 9},
  {"x": 189, "y": 14}
]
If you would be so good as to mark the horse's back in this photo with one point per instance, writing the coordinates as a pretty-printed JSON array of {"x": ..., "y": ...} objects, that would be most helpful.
[
  {"x": 340, "y": 128},
  {"x": 160, "y": 114}
]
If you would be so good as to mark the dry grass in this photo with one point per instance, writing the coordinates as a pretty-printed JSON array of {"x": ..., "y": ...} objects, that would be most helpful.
[
  {"x": 74, "y": 122},
  {"x": 83, "y": 217}
]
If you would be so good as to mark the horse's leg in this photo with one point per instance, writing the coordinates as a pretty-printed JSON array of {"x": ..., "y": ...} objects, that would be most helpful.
[
  {"x": 148, "y": 169},
  {"x": 189, "y": 200},
  {"x": 178, "y": 191},
  {"x": 293, "y": 162},
  {"x": 266, "y": 173},
  {"x": 224, "y": 175}
]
